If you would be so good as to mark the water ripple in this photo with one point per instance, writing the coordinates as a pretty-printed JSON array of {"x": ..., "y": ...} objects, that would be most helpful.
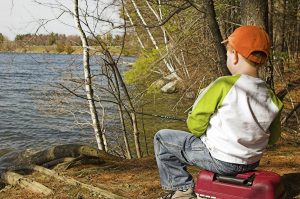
[{"x": 27, "y": 119}]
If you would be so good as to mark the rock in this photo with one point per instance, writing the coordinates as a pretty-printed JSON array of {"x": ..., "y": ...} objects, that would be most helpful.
[
  {"x": 128, "y": 64},
  {"x": 169, "y": 87},
  {"x": 190, "y": 95},
  {"x": 170, "y": 77}
]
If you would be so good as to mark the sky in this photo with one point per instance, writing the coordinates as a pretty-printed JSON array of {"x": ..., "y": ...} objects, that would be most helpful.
[{"x": 25, "y": 16}]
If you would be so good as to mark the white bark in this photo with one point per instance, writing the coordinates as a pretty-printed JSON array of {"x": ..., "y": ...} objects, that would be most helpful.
[
  {"x": 13, "y": 178},
  {"x": 169, "y": 66},
  {"x": 136, "y": 34},
  {"x": 113, "y": 65},
  {"x": 73, "y": 182},
  {"x": 184, "y": 64},
  {"x": 159, "y": 19},
  {"x": 144, "y": 23},
  {"x": 88, "y": 80},
  {"x": 163, "y": 29}
]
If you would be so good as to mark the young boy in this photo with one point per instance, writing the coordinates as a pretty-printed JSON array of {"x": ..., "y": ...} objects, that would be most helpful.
[{"x": 231, "y": 122}]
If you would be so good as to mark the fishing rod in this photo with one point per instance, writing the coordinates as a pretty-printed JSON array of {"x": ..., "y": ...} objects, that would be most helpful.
[{"x": 162, "y": 116}]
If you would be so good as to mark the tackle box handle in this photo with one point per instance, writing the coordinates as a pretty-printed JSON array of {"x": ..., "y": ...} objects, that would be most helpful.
[{"x": 236, "y": 180}]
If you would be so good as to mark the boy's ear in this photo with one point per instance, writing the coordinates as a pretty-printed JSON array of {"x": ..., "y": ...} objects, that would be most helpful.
[{"x": 236, "y": 57}]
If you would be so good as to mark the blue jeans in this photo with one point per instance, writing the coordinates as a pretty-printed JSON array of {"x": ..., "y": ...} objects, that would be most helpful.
[{"x": 175, "y": 149}]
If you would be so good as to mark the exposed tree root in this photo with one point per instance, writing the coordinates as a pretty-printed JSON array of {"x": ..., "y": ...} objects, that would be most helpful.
[
  {"x": 57, "y": 161},
  {"x": 82, "y": 160},
  {"x": 69, "y": 150},
  {"x": 13, "y": 178},
  {"x": 290, "y": 86},
  {"x": 54, "y": 155},
  {"x": 70, "y": 154}
]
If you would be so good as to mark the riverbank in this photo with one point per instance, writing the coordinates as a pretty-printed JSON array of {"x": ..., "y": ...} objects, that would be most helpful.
[
  {"x": 61, "y": 49},
  {"x": 139, "y": 178}
]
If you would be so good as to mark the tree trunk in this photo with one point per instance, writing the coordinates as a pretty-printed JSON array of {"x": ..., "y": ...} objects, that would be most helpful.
[
  {"x": 270, "y": 19},
  {"x": 120, "y": 80},
  {"x": 88, "y": 80},
  {"x": 159, "y": 18},
  {"x": 217, "y": 37},
  {"x": 168, "y": 65},
  {"x": 128, "y": 151},
  {"x": 254, "y": 12},
  {"x": 298, "y": 34},
  {"x": 131, "y": 22},
  {"x": 109, "y": 60},
  {"x": 292, "y": 30},
  {"x": 282, "y": 31}
]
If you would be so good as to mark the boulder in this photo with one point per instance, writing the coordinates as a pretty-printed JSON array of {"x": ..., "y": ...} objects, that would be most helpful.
[
  {"x": 170, "y": 77},
  {"x": 169, "y": 87}
]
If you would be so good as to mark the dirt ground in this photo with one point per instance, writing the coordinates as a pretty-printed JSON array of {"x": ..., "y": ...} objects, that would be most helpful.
[{"x": 138, "y": 178}]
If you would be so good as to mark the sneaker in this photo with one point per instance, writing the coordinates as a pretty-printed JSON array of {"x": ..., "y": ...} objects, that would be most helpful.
[
  {"x": 187, "y": 194},
  {"x": 168, "y": 195}
]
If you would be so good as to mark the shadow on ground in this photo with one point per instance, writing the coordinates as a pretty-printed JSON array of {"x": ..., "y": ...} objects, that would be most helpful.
[{"x": 291, "y": 183}]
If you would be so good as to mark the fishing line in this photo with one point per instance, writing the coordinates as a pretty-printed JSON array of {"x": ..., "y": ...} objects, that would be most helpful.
[{"x": 163, "y": 116}]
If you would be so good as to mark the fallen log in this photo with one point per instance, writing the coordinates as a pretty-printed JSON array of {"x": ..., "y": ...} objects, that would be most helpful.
[
  {"x": 14, "y": 179},
  {"x": 72, "y": 181}
]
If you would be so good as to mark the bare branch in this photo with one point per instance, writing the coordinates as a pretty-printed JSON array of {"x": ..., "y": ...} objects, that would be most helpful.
[
  {"x": 83, "y": 97},
  {"x": 184, "y": 6}
]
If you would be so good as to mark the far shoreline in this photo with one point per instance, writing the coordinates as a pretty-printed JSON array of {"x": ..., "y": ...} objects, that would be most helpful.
[{"x": 76, "y": 50}]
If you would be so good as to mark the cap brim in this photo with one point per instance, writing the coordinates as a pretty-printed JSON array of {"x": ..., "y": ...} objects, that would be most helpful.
[{"x": 225, "y": 41}]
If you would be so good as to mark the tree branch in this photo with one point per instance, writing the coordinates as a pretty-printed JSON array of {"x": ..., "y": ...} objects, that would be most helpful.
[{"x": 184, "y": 6}]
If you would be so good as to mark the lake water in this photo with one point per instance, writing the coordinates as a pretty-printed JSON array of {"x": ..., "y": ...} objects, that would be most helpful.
[{"x": 27, "y": 82}]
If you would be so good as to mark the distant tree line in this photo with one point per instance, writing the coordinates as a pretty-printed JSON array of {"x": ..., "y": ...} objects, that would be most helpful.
[
  {"x": 48, "y": 39},
  {"x": 63, "y": 43}
]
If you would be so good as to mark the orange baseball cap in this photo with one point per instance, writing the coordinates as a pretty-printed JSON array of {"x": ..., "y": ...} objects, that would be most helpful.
[{"x": 247, "y": 40}]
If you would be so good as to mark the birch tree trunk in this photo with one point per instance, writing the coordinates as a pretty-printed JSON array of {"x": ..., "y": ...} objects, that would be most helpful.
[
  {"x": 159, "y": 18},
  {"x": 131, "y": 22},
  {"x": 168, "y": 65},
  {"x": 118, "y": 79},
  {"x": 88, "y": 80}
]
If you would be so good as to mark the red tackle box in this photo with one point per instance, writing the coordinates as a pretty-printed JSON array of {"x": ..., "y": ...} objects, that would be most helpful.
[{"x": 249, "y": 185}]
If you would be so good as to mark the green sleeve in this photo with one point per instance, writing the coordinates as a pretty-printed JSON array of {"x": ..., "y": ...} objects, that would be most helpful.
[
  {"x": 275, "y": 127},
  {"x": 275, "y": 130},
  {"x": 207, "y": 103}
]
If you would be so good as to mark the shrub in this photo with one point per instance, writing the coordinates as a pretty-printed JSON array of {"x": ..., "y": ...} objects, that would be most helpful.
[
  {"x": 69, "y": 49},
  {"x": 142, "y": 67},
  {"x": 60, "y": 48}
]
